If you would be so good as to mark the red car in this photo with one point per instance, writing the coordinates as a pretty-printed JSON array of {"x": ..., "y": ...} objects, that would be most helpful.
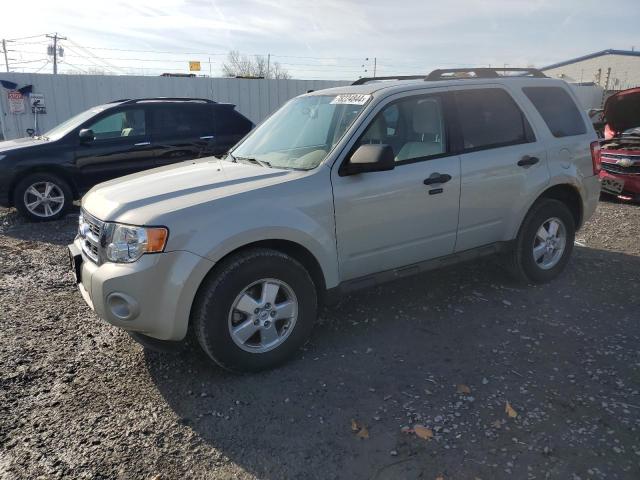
[{"x": 620, "y": 150}]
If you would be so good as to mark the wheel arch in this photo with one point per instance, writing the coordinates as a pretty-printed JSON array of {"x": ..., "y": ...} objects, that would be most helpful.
[
  {"x": 50, "y": 169},
  {"x": 566, "y": 193},
  {"x": 570, "y": 196},
  {"x": 295, "y": 250}
]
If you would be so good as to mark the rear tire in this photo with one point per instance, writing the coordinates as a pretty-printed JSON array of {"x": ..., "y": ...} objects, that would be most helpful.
[
  {"x": 42, "y": 197},
  {"x": 544, "y": 243},
  {"x": 255, "y": 310}
]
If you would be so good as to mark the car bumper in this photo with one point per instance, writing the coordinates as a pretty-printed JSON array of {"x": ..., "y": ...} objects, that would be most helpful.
[
  {"x": 152, "y": 296},
  {"x": 622, "y": 186}
]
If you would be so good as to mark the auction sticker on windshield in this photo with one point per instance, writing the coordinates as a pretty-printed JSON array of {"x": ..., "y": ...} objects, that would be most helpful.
[{"x": 351, "y": 99}]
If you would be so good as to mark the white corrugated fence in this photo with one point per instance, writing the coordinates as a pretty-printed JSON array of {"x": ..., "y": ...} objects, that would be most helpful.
[{"x": 66, "y": 95}]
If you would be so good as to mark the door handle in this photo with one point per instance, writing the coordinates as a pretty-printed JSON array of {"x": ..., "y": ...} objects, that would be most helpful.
[
  {"x": 207, "y": 137},
  {"x": 437, "y": 178},
  {"x": 527, "y": 161},
  {"x": 141, "y": 144}
]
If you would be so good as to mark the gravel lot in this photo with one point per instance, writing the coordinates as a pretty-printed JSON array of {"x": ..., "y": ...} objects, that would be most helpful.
[{"x": 446, "y": 350}]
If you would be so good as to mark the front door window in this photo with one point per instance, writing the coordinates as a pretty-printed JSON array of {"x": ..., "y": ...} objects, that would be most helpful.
[{"x": 127, "y": 123}]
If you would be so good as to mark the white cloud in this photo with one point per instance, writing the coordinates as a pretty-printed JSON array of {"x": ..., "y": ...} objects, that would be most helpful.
[{"x": 406, "y": 36}]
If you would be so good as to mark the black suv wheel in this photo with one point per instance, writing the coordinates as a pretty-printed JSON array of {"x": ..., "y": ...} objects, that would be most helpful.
[{"x": 42, "y": 197}]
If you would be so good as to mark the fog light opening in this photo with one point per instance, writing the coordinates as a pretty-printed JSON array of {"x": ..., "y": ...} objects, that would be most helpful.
[{"x": 122, "y": 306}]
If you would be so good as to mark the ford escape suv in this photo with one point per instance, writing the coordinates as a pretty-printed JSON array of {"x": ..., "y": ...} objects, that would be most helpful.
[
  {"x": 339, "y": 189},
  {"x": 41, "y": 176}
]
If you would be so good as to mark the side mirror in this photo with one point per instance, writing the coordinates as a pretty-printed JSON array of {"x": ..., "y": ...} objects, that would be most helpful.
[
  {"x": 370, "y": 158},
  {"x": 86, "y": 135}
]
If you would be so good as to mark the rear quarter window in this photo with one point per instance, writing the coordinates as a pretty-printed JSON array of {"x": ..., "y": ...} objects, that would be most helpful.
[
  {"x": 557, "y": 109},
  {"x": 230, "y": 122}
]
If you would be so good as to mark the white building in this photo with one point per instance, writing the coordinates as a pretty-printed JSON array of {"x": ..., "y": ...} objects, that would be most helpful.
[{"x": 611, "y": 69}]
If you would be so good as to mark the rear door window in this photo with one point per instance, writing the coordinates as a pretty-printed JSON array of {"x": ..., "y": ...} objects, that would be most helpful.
[
  {"x": 558, "y": 110},
  {"x": 490, "y": 118},
  {"x": 182, "y": 120}
]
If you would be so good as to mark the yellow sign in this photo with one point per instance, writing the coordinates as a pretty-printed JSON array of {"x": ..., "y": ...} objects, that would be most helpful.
[{"x": 194, "y": 66}]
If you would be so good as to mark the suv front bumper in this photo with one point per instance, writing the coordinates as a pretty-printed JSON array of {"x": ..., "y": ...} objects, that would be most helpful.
[{"x": 152, "y": 296}]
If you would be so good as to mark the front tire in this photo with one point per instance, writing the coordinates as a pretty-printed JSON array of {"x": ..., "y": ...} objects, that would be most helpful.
[
  {"x": 42, "y": 197},
  {"x": 544, "y": 244},
  {"x": 255, "y": 310}
]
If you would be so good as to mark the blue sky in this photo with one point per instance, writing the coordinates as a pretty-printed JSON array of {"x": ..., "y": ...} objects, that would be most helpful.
[{"x": 322, "y": 39}]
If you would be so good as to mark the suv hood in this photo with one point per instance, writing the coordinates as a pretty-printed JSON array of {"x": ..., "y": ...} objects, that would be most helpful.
[
  {"x": 622, "y": 110},
  {"x": 18, "y": 144},
  {"x": 145, "y": 198}
]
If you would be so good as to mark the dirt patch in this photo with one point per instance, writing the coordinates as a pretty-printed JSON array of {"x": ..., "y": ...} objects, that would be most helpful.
[{"x": 80, "y": 399}]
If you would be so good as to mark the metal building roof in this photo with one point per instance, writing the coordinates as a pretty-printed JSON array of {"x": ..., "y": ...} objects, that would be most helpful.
[{"x": 609, "y": 51}]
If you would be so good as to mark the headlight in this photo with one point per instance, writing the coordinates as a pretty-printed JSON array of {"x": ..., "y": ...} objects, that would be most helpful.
[{"x": 126, "y": 243}]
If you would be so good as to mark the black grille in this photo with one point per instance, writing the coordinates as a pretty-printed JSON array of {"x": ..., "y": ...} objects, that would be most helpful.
[{"x": 614, "y": 168}]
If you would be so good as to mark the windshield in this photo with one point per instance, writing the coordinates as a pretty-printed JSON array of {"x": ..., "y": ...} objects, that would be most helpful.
[
  {"x": 65, "y": 127},
  {"x": 302, "y": 132}
]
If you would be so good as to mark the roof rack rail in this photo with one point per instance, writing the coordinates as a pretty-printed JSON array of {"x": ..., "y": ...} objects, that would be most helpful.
[
  {"x": 363, "y": 80},
  {"x": 178, "y": 99},
  {"x": 460, "y": 74},
  {"x": 465, "y": 73}
]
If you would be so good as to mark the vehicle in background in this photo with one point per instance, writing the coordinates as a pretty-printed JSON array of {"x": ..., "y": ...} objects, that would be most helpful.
[
  {"x": 42, "y": 175},
  {"x": 620, "y": 149},
  {"x": 340, "y": 189}
]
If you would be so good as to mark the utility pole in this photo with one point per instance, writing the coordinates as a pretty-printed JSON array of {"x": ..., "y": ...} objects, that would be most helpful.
[
  {"x": 4, "y": 49},
  {"x": 606, "y": 86},
  {"x": 55, "y": 38},
  {"x": 268, "y": 64},
  {"x": 375, "y": 64}
]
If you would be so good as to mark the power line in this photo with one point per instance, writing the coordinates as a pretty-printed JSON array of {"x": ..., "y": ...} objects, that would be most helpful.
[
  {"x": 217, "y": 53},
  {"x": 43, "y": 42},
  {"x": 29, "y": 61},
  {"x": 46, "y": 62},
  {"x": 76, "y": 66},
  {"x": 94, "y": 62},
  {"x": 102, "y": 60},
  {"x": 26, "y": 38}
]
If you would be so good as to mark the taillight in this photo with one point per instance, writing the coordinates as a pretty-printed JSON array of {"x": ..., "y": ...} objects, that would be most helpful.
[{"x": 596, "y": 157}]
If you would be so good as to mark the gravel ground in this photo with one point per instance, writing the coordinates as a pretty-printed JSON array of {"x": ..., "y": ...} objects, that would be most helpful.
[{"x": 447, "y": 351}]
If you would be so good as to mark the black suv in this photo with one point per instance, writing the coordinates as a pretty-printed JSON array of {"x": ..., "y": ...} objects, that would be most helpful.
[{"x": 42, "y": 175}]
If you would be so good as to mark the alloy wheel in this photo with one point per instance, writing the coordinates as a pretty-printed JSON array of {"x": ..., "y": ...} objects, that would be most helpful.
[
  {"x": 549, "y": 243},
  {"x": 44, "y": 199},
  {"x": 263, "y": 315}
]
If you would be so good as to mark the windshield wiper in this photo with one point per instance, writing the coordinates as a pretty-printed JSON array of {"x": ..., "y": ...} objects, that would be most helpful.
[{"x": 262, "y": 163}]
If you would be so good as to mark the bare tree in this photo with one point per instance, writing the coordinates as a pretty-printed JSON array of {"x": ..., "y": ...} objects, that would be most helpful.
[
  {"x": 238, "y": 65},
  {"x": 277, "y": 71}
]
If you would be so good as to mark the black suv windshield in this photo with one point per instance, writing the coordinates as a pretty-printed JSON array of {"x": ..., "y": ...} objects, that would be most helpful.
[
  {"x": 65, "y": 127},
  {"x": 303, "y": 131}
]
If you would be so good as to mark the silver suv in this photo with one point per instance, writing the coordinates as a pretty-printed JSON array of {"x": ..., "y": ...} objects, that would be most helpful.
[{"x": 340, "y": 189}]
